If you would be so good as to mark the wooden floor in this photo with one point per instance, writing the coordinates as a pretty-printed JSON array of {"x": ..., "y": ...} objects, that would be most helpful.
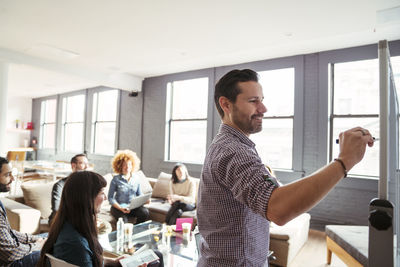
[{"x": 313, "y": 253}]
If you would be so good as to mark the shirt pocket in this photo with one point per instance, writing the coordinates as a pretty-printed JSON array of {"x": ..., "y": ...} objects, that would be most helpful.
[{"x": 123, "y": 189}]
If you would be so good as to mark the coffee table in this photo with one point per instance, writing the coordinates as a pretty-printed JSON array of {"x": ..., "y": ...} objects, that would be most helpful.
[{"x": 177, "y": 250}]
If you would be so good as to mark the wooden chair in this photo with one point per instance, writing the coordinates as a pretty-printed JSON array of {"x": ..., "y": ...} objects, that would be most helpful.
[
  {"x": 16, "y": 155},
  {"x": 54, "y": 262}
]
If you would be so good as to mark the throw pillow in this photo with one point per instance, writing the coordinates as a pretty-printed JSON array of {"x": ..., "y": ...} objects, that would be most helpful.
[
  {"x": 165, "y": 175},
  {"x": 144, "y": 183},
  {"x": 161, "y": 188},
  {"x": 38, "y": 196}
]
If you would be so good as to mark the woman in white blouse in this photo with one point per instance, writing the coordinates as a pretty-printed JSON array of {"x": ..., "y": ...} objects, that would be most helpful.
[{"x": 182, "y": 193}]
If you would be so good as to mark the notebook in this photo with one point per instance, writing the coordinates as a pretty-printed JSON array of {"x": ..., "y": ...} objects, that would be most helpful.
[
  {"x": 136, "y": 202},
  {"x": 146, "y": 256}
]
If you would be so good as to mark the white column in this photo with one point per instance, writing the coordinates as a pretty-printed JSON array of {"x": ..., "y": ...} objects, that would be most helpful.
[{"x": 3, "y": 106}]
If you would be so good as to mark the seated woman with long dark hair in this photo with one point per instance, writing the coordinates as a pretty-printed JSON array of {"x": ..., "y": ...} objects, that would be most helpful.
[
  {"x": 73, "y": 233},
  {"x": 182, "y": 193}
]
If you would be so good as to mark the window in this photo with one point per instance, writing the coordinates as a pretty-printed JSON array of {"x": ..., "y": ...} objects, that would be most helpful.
[
  {"x": 275, "y": 142},
  {"x": 104, "y": 122},
  {"x": 355, "y": 102},
  {"x": 186, "y": 122},
  {"x": 73, "y": 122},
  {"x": 48, "y": 113}
]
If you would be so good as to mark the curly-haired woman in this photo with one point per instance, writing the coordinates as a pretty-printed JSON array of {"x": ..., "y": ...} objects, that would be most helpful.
[{"x": 126, "y": 186}]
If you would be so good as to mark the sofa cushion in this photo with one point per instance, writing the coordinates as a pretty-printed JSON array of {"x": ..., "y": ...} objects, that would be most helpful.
[
  {"x": 353, "y": 239},
  {"x": 165, "y": 175},
  {"x": 162, "y": 207},
  {"x": 291, "y": 228},
  {"x": 161, "y": 188},
  {"x": 38, "y": 195},
  {"x": 158, "y": 206}
]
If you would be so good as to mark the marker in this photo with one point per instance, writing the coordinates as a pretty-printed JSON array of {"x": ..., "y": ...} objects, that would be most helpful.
[{"x": 375, "y": 139}]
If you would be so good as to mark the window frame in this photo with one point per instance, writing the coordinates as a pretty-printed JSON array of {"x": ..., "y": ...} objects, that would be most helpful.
[
  {"x": 41, "y": 124},
  {"x": 296, "y": 62},
  {"x": 62, "y": 124},
  {"x": 90, "y": 126},
  {"x": 169, "y": 120},
  {"x": 333, "y": 57},
  {"x": 284, "y": 117}
]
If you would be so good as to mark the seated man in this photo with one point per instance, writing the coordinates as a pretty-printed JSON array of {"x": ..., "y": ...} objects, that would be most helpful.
[
  {"x": 16, "y": 249},
  {"x": 78, "y": 163}
]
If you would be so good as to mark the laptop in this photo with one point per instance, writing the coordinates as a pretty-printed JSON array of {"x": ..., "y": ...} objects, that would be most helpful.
[{"x": 136, "y": 202}]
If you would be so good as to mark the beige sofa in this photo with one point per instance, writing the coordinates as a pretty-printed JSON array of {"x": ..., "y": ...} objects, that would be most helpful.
[
  {"x": 21, "y": 217},
  {"x": 36, "y": 200},
  {"x": 158, "y": 207},
  {"x": 29, "y": 213}
]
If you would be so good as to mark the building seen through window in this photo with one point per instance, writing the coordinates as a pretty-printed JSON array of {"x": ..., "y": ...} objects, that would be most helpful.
[
  {"x": 48, "y": 113},
  {"x": 73, "y": 123},
  {"x": 104, "y": 122}
]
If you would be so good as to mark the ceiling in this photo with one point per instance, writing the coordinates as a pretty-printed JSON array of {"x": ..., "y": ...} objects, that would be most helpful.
[{"x": 59, "y": 46}]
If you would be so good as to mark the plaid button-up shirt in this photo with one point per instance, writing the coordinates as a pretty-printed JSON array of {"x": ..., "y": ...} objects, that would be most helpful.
[
  {"x": 235, "y": 188},
  {"x": 13, "y": 244}
]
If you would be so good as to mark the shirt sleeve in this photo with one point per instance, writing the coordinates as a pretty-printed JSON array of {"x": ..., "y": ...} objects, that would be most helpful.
[
  {"x": 24, "y": 237},
  {"x": 246, "y": 177},
  {"x": 190, "y": 197},
  {"x": 56, "y": 196},
  {"x": 111, "y": 191},
  {"x": 13, "y": 248},
  {"x": 170, "y": 188}
]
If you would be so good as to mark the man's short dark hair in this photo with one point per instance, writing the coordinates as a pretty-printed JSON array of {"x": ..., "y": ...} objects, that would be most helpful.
[
  {"x": 227, "y": 86},
  {"x": 75, "y": 158},
  {"x": 3, "y": 161}
]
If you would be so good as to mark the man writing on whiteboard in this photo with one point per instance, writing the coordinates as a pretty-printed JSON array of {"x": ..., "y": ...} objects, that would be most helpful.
[{"x": 238, "y": 196}]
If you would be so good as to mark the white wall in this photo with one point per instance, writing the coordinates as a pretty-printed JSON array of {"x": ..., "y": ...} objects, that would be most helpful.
[{"x": 18, "y": 108}]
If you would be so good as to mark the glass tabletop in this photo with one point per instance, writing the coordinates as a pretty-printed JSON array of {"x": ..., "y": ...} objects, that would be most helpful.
[{"x": 178, "y": 249}]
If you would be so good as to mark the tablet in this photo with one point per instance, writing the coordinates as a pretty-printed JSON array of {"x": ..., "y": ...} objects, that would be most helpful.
[{"x": 136, "y": 202}]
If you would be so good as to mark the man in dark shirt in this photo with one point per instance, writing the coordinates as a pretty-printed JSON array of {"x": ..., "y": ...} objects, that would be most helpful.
[
  {"x": 238, "y": 196},
  {"x": 78, "y": 163},
  {"x": 16, "y": 249}
]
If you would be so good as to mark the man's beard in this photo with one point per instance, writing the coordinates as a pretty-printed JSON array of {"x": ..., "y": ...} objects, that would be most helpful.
[
  {"x": 244, "y": 124},
  {"x": 4, "y": 187}
]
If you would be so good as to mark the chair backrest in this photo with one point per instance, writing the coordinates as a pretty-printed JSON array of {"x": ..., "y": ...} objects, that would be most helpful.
[
  {"x": 54, "y": 262},
  {"x": 16, "y": 155}
]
